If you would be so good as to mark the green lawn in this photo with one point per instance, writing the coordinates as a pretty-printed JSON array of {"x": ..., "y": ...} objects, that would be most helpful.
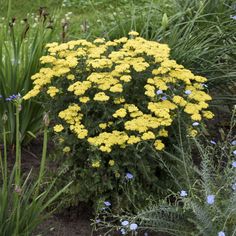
[{"x": 85, "y": 14}]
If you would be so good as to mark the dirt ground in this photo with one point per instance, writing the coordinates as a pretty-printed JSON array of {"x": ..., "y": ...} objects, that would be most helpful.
[{"x": 57, "y": 226}]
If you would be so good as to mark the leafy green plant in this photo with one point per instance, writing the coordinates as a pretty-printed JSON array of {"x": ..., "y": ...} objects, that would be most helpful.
[
  {"x": 23, "y": 202},
  {"x": 113, "y": 105},
  {"x": 21, "y": 46},
  {"x": 205, "y": 203}
]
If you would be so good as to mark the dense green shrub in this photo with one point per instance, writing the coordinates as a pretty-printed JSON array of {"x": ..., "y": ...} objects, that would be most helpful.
[{"x": 113, "y": 104}]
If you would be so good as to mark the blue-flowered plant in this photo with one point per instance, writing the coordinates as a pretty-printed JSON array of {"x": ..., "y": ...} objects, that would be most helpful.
[{"x": 205, "y": 200}]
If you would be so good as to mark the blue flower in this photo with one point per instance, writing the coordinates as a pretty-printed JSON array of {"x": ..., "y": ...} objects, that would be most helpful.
[
  {"x": 233, "y": 17},
  {"x": 123, "y": 232},
  {"x": 125, "y": 222},
  {"x": 129, "y": 176},
  {"x": 159, "y": 91},
  {"x": 234, "y": 186},
  {"x": 188, "y": 92},
  {"x": 195, "y": 124},
  {"x": 133, "y": 226},
  {"x": 221, "y": 233},
  {"x": 164, "y": 98},
  {"x": 13, "y": 97},
  {"x": 107, "y": 203},
  {"x": 213, "y": 142},
  {"x": 234, "y": 152},
  {"x": 210, "y": 199},
  {"x": 183, "y": 193},
  {"x": 234, "y": 163},
  {"x": 233, "y": 143}
]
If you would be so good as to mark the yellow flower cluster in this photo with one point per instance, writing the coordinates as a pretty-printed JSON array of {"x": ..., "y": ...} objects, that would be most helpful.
[
  {"x": 52, "y": 91},
  {"x": 73, "y": 117},
  {"x": 128, "y": 90},
  {"x": 105, "y": 141}
]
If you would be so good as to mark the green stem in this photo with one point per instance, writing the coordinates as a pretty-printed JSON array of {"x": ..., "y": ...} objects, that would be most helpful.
[
  {"x": 44, "y": 154},
  {"x": 17, "y": 168},
  {"x": 3, "y": 159},
  {"x": 18, "y": 151},
  {"x": 5, "y": 151},
  {"x": 2, "y": 167},
  {"x": 182, "y": 150},
  {"x": 8, "y": 10}
]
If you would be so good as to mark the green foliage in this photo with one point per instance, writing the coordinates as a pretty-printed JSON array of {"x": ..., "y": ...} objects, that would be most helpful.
[
  {"x": 110, "y": 183},
  {"x": 21, "y": 46},
  {"x": 206, "y": 201},
  {"x": 23, "y": 202}
]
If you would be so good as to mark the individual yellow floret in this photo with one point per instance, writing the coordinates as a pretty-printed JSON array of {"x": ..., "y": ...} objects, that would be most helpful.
[
  {"x": 133, "y": 139},
  {"x": 192, "y": 132},
  {"x": 196, "y": 117},
  {"x": 120, "y": 113},
  {"x": 96, "y": 164},
  {"x": 84, "y": 99},
  {"x": 58, "y": 128},
  {"x": 66, "y": 149},
  {"x": 52, "y": 91},
  {"x": 119, "y": 100},
  {"x": 70, "y": 77},
  {"x": 179, "y": 101},
  {"x": 126, "y": 78},
  {"x": 111, "y": 163},
  {"x": 163, "y": 133},
  {"x": 133, "y": 33},
  {"x": 118, "y": 88},
  {"x": 208, "y": 114},
  {"x": 101, "y": 96},
  {"x": 159, "y": 145},
  {"x": 148, "y": 135},
  {"x": 103, "y": 125},
  {"x": 105, "y": 148}
]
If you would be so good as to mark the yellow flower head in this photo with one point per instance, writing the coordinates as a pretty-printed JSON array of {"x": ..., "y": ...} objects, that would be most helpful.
[
  {"x": 96, "y": 164},
  {"x": 111, "y": 162},
  {"x": 58, "y": 128},
  {"x": 66, "y": 149}
]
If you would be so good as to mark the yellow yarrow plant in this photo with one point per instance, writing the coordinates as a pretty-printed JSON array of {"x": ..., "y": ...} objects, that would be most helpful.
[{"x": 119, "y": 93}]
